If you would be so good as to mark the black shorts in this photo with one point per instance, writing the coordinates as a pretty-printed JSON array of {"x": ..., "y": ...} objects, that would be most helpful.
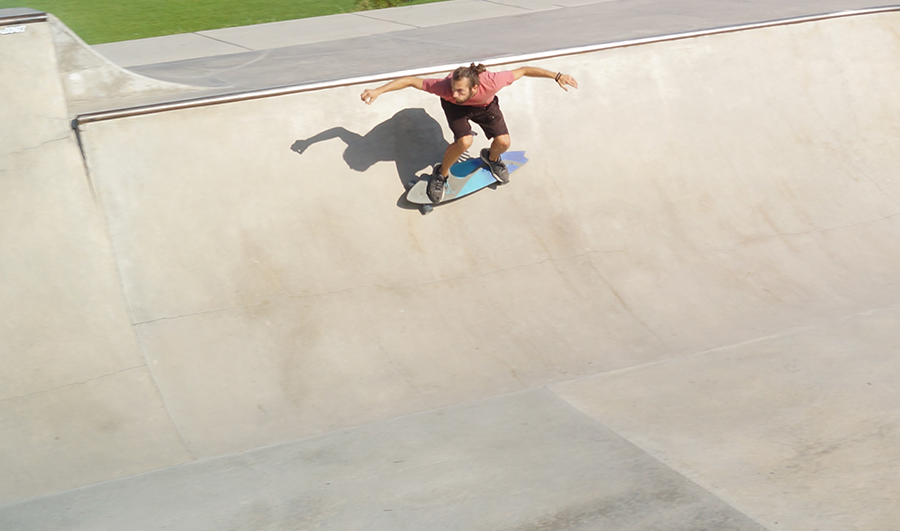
[{"x": 489, "y": 117}]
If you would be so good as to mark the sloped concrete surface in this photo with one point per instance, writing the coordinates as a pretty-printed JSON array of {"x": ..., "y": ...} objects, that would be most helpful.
[
  {"x": 91, "y": 80},
  {"x": 799, "y": 430},
  {"x": 681, "y": 314},
  {"x": 77, "y": 404}
]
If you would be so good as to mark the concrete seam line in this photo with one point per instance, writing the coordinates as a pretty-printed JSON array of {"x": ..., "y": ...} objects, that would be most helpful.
[
  {"x": 731, "y": 346},
  {"x": 72, "y": 384},
  {"x": 361, "y": 14},
  {"x": 309, "y": 87},
  {"x": 205, "y": 35}
]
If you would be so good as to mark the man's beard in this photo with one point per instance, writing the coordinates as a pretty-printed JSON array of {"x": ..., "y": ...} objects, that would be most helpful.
[{"x": 467, "y": 98}]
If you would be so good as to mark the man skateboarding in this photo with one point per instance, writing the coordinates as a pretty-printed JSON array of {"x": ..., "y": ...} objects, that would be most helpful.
[{"x": 470, "y": 93}]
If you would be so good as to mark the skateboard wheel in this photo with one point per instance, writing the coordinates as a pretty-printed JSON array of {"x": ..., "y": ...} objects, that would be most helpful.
[{"x": 426, "y": 209}]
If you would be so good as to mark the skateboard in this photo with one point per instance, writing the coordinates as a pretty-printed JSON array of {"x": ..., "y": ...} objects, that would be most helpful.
[{"x": 466, "y": 177}]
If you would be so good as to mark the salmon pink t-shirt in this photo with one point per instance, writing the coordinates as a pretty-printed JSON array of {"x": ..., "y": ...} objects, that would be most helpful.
[{"x": 490, "y": 84}]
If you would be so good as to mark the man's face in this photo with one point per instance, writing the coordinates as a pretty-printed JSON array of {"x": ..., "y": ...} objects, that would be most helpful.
[{"x": 461, "y": 90}]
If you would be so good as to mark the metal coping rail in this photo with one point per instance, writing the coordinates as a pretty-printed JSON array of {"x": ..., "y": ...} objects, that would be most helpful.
[
  {"x": 24, "y": 18},
  {"x": 308, "y": 87}
]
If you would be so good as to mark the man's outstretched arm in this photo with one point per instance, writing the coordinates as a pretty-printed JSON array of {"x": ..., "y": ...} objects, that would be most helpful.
[
  {"x": 369, "y": 95},
  {"x": 533, "y": 71}
]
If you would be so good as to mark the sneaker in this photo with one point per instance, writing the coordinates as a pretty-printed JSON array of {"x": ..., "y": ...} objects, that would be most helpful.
[
  {"x": 436, "y": 185},
  {"x": 498, "y": 168}
]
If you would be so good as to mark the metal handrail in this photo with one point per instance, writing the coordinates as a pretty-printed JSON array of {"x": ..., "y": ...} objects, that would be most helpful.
[{"x": 25, "y": 18}]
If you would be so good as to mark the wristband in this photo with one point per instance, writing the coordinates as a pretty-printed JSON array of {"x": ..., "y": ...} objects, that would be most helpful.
[{"x": 559, "y": 75}]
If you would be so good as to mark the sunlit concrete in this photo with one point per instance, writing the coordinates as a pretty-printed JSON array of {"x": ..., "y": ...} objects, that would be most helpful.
[{"x": 687, "y": 298}]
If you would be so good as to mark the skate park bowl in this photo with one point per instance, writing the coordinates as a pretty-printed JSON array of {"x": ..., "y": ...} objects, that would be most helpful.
[{"x": 683, "y": 313}]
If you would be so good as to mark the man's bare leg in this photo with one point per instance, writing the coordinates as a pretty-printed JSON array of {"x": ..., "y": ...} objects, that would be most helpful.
[
  {"x": 451, "y": 155},
  {"x": 491, "y": 157},
  {"x": 499, "y": 146},
  {"x": 454, "y": 152}
]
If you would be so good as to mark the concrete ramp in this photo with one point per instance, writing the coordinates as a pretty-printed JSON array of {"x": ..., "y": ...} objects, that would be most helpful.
[
  {"x": 92, "y": 82},
  {"x": 701, "y": 257},
  {"x": 77, "y": 402}
]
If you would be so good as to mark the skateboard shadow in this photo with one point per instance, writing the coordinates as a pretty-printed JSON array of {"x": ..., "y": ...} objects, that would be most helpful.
[{"x": 411, "y": 139}]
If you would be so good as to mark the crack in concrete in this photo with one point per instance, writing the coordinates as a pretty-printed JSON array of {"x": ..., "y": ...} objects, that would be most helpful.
[
  {"x": 880, "y": 189},
  {"x": 32, "y": 148},
  {"x": 627, "y": 308},
  {"x": 73, "y": 384},
  {"x": 210, "y": 37},
  {"x": 391, "y": 21},
  {"x": 520, "y": 8}
]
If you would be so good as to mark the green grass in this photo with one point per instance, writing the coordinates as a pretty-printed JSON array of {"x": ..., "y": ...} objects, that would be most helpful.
[{"x": 100, "y": 21}]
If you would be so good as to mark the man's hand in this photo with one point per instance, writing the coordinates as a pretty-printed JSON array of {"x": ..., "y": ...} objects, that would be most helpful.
[
  {"x": 533, "y": 71},
  {"x": 369, "y": 95},
  {"x": 566, "y": 79}
]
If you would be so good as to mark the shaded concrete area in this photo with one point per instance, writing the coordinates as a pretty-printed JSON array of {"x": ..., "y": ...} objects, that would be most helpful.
[
  {"x": 681, "y": 314},
  {"x": 479, "y": 466},
  {"x": 800, "y": 429}
]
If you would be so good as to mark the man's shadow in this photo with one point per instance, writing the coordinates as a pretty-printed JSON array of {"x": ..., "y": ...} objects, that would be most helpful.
[{"x": 411, "y": 139}]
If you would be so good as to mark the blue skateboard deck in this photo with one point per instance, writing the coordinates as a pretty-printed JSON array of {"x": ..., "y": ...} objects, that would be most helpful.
[{"x": 466, "y": 177}]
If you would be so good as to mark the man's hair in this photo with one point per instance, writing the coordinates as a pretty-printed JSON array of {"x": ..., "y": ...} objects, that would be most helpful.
[{"x": 469, "y": 73}]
